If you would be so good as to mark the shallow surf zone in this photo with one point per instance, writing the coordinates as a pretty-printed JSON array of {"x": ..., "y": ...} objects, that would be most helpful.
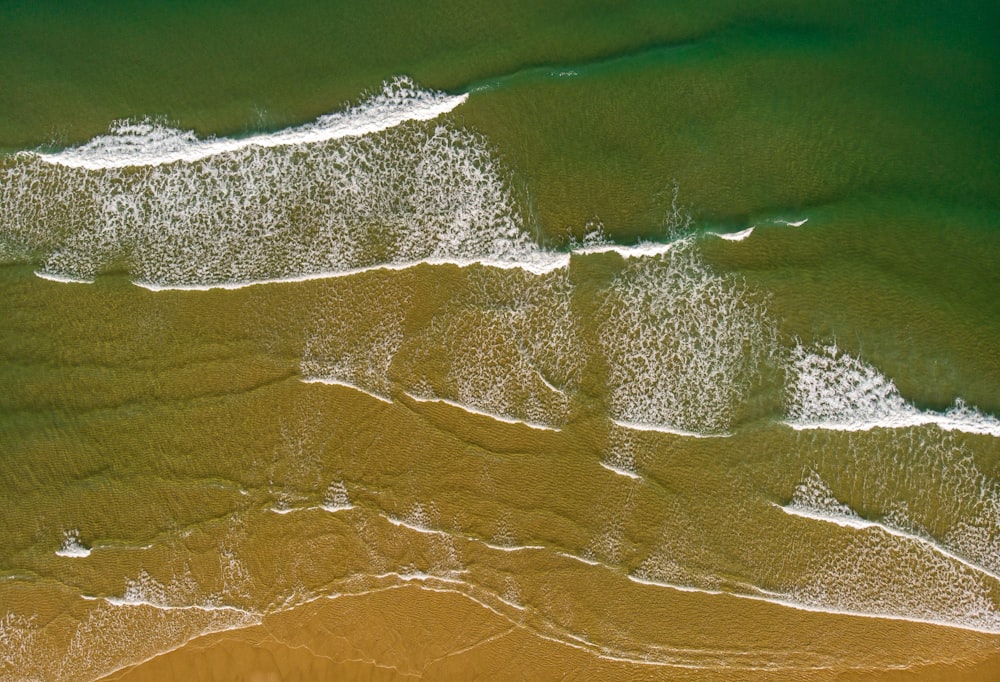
[
  {"x": 831, "y": 389},
  {"x": 581, "y": 447},
  {"x": 684, "y": 345},
  {"x": 376, "y": 184}
]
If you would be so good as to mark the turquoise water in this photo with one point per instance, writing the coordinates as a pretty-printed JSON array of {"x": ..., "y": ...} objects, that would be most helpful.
[{"x": 589, "y": 314}]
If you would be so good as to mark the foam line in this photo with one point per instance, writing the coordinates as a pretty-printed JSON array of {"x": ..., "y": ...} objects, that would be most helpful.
[
  {"x": 549, "y": 385},
  {"x": 509, "y": 548},
  {"x": 662, "y": 428},
  {"x": 858, "y": 523},
  {"x": 337, "y": 382},
  {"x": 782, "y": 600},
  {"x": 963, "y": 420},
  {"x": 797, "y": 223},
  {"x": 412, "y": 526},
  {"x": 150, "y": 144},
  {"x": 620, "y": 471},
  {"x": 62, "y": 279},
  {"x": 209, "y": 608},
  {"x": 546, "y": 262},
  {"x": 540, "y": 262},
  {"x": 582, "y": 560},
  {"x": 482, "y": 413}
]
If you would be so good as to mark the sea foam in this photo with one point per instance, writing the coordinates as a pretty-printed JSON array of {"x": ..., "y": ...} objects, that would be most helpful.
[
  {"x": 506, "y": 344},
  {"x": 683, "y": 344},
  {"x": 72, "y": 546},
  {"x": 374, "y": 185},
  {"x": 148, "y": 143},
  {"x": 831, "y": 389}
]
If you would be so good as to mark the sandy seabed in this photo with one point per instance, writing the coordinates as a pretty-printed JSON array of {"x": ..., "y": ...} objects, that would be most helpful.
[{"x": 412, "y": 633}]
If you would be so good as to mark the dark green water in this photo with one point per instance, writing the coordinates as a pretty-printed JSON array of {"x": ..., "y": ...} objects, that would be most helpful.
[{"x": 485, "y": 316}]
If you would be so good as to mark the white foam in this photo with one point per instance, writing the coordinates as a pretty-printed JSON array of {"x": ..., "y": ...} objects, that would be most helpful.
[
  {"x": 780, "y": 599},
  {"x": 621, "y": 471},
  {"x": 833, "y": 390},
  {"x": 327, "y": 381},
  {"x": 481, "y": 413},
  {"x": 62, "y": 279},
  {"x": 150, "y": 144},
  {"x": 683, "y": 344},
  {"x": 337, "y": 197},
  {"x": 72, "y": 547},
  {"x": 538, "y": 263},
  {"x": 640, "y": 250},
  {"x": 735, "y": 236},
  {"x": 663, "y": 428},
  {"x": 336, "y": 498},
  {"x": 857, "y": 523},
  {"x": 797, "y": 223},
  {"x": 335, "y": 508}
]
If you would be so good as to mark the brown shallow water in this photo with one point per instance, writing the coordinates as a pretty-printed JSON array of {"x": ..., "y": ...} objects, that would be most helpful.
[
  {"x": 592, "y": 342},
  {"x": 410, "y": 633}
]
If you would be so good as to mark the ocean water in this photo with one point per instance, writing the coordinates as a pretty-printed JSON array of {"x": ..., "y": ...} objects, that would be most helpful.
[{"x": 643, "y": 342}]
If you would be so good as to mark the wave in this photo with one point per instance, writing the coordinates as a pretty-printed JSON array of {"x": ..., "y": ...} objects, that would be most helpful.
[
  {"x": 72, "y": 547},
  {"x": 735, "y": 236},
  {"x": 833, "y": 390},
  {"x": 481, "y": 413},
  {"x": 307, "y": 203},
  {"x": 327, "y": 381},
  {"x": 148, "y": 143},
  {"x": 814, "y": 500}
]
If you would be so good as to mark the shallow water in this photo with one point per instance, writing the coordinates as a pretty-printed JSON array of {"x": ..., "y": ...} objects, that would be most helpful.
[{"x": 649, "y": 342}]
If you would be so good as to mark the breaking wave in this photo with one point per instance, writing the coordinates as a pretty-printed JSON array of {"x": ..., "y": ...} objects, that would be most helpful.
[
  {"x": 376, "y": 184},
  {"x": 830, "y": 389}
]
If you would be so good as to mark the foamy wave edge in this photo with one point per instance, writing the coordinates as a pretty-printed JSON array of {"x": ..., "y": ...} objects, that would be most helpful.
[
  {"x": 540, "y": 262},
  {"x": 147, "y": 143},
  {"x": 958, "y": 418}
]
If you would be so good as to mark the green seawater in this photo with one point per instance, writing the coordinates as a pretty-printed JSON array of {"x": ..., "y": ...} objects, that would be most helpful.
[{"x": 504, "y": 349}]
